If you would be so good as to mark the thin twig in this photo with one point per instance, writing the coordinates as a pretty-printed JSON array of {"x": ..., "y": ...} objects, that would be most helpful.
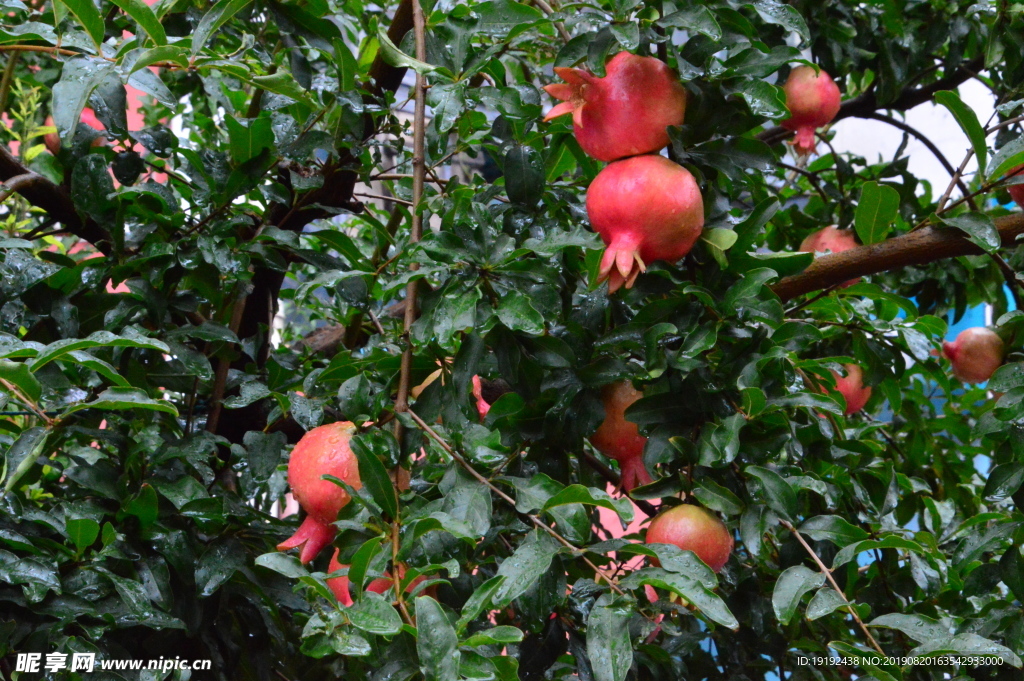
[
  {"x": 5, "y": 84},
  {"x": 537, "y": 522},
  {"x": 419, "y": 173},
  {"x": 221, "y": 375},
  {"x": 549, "y": 10},
  {"x": 381, "y": 197},
  {"x": 26, "y": 401},
  {"x": 828, "y": 575}
]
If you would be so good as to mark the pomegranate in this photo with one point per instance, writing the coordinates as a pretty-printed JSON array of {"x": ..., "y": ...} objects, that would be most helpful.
[
  {"x": 693, "y": 528},
  {"x": 482, "y": 407},
  {"x": 321, "y": 451},
  {"x": 620, "y": 439},
  {"x": 625, "y": 113},
  {"x": 341, "y": 586},
  {"x": 52, "y": 140},
  {"x": 831, "y": 239},
  {"x": 813, "y": 100},
  {"x": 1017, "y": 190},
  {"x": 975, "y": 354},
  {"x": 645, "y": 208},
  {"x": 852, "y": 388}
]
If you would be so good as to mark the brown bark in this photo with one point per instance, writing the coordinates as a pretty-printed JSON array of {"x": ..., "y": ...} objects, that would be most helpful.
[{"x": 919, "y": 247}]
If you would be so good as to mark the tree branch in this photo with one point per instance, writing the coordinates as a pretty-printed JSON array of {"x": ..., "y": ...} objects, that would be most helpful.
[{"x": 918, "y": 247}]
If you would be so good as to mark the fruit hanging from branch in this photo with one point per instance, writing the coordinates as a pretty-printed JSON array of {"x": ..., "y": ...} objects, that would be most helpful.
[
  {"x": 1017, "y": 190},
  {"x": 625, "y": 113},
  {"x": 322, "y": 451},
  {"x": 620, "y": 439},
  {"x": 693, "y": 528},
  {"x": 975, "y": 354},
  {"x": 645, "y": 208},
  {"x": 813, "y": 100}
]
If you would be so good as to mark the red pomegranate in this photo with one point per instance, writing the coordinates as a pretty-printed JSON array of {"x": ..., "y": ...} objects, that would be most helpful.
[
  {"x": 975, "y": 354},
  {"x": 852, "y": 388},
  {"x": 813, "y": 100},
  {"x": 52, "y": 140},
  {"x": 693, "y": 528},
  {"x": 831, "y": 239},
  {"x": 645, "y": 208},
  {"x": 1017, "y": 190},
  {"x": 620, "y": 439},
  {"x": 625, "y": 113},
  {"x": 341, "y": 586},
  {"x": 482, "y": 407},
  {"x": 321, "y": 451}
]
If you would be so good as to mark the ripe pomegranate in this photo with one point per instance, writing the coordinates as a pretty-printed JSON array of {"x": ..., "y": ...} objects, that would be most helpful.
[
  {"x": 645, "y": 208},
  {"x": 1017, "y": 190},
  {"x": 975, "y": 354},
  {"x": 693, "y": 528},
  {"x": 321, "y": 451},
  {"x": 831, "y": 239},
  {"x": 52, "y": 140},
  {"x": 341, "y": 586},
  {"x": 852, "y": 388},
  {"x": 813, "y": 100},
  {"x": 620, "y": 439},
  {"x": 625, "y": 113}
]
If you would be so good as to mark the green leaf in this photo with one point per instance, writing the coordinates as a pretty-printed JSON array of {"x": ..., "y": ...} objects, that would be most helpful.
[
  {"x": 217, "y": 16},
  {"x": 88, "y": 16},
  {"x": 793, "y": 583},
  {"x": 1011, "y": 569},
  {"x": 373, "y": 614},
  {"x": 144, "y": 17},
  {"x": 478, "y": 602},
  {"x": 917, "y": 627},
  {"x": 395, "y": 57},
  {"x": 578, "y": 494},
  {"x": 835, "y": 529},
  {"x": 517, "y": 313},
  {"x": 18, "y": 375},
  {"x": 437, "y": 645},
  {"x": 281, "y": 83},
  {"x": 876, "y": 212},
  {"x": 524, "y": 175},
  {"x": 718, "y": 241},
  {"x": 968, "y": 121},
  {"x": 361, "y": 562},
  {"x": 283, "y": 564},
  {"x": 1003, "y": 481},
  {"x": 694, "y": 18},
  {"x": 717, "y": 498},
  {"x": 373, "y": 473},
  {"x": 825, "y": 601},
  {"x": 978, "y": 227},
  {"x": 778, "y": 493},
  {"x": 524, "y": 567},
  {"x": 691, "y": 586},
  {"x": 78, "y": 78},
  {"x": 776, "y": 12},
  {"x": 970, "y": 645},
  {"x": 82, "y": 532},
  {"x": 494, "y": 636},
  {"x": 124, "y": 398},
  {"x": 608, "y": 644},
  {"x": 171, "y": 53},
  {"x": 249, "y": 137},
  {"x": 764, "y": 99},
  {"x": 22, "y": 455},
  {"x": 98, "y": 339},
  {"x": 1009, "y": 156}
]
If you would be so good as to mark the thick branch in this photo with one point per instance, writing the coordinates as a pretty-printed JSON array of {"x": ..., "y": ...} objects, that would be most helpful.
[
  {"x": 53, "y": 199},
  {"x": 919, "y": 247}
]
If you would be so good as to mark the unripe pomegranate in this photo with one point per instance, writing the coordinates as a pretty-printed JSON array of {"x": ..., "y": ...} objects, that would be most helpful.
[
  {"x": 975, "y": 354},
  {"x": 341, "y": 586},
  {"x": 693, "y": 528},
  {"x": 625, "y": 113},
  {"x": 813, "y": 100},
  {"x": 831, "y": 239},
  {"x": 645, "y": 208},
  {"x": 620, "y": 439},
  {"x": 852, "y": 388},
  {"x": 1017, "y": 190},
  {"x": 321, "y": 451}
]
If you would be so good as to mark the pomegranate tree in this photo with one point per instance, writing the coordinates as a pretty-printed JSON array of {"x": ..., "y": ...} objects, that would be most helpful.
[
  {"x": 620, "y": 439},
  {"x": 693, "y": 528},
  {"x": 322, "y": 451},
  {"x": 813, "y": 100},
  {"x": 852, "y": 388},
  {"x": 831, "y": 240},
  {"x": 625, "y": 113},
  {"x": 645, "y": 208},
  {"x": 975, "y": 354}
]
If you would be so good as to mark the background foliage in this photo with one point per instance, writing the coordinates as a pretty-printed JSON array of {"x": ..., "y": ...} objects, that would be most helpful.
[{"x": 148, "y": 403}]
